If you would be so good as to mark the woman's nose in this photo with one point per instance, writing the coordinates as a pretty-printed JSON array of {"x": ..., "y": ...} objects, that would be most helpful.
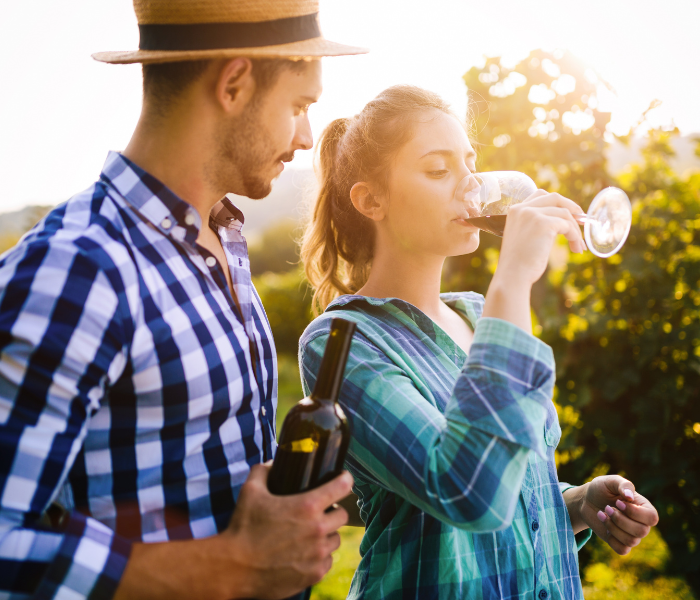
[
  {"x": 468, "y": 189},
  {"x": 472, "y": 183}
]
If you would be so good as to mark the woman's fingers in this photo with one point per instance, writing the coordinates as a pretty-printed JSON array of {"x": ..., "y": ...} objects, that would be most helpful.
[
  {"x": 641, "y": 511},
  {"x": 563, "y": 223},
  {"x": 554, "y": 199},
  {"x": 628, "y": 531}
]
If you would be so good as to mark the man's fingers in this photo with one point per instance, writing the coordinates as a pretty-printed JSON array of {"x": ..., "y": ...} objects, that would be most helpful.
[
  {"x": 258, "y": 473},
  {"x": 331, "y": 492},
  {"x": 334, "y": 520},
  {"x": 333, "y": 542}
]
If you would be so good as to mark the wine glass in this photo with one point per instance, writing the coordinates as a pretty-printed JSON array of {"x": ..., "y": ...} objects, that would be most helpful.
[{"x": 606, "y": 225}]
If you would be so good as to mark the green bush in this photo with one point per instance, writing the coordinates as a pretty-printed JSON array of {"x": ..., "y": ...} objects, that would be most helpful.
[{"x": 287, "y": 301}]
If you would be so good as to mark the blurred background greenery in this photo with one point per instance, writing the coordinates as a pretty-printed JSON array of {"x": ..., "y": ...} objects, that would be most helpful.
[{"x": 625, "y": 331}]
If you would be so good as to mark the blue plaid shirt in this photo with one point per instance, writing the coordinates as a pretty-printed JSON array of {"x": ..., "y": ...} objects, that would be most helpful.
[
  {"x": 133, "y": 390},
  {"x": 452, "y": 455}
]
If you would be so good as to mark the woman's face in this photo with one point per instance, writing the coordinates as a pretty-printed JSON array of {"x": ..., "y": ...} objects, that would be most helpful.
[{"x": 422, "y": 215}]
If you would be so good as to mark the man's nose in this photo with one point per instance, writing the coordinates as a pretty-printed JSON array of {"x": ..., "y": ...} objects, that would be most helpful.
[{"x": 303, "y": 137}]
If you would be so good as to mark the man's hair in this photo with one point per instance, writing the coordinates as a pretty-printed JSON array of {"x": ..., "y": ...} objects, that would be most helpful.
[{"x": 164, "y": 82}]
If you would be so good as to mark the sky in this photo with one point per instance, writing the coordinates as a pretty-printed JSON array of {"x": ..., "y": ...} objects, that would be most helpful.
[{"x": 60, "y": 111}]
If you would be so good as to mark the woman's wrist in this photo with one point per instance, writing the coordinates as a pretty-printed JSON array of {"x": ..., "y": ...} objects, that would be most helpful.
[
  {"x": 574, "y": 498},
  {"x": 509, "y": 300}
]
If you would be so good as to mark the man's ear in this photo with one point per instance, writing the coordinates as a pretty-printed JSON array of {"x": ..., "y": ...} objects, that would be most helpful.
[
  {"x": 366, "y": 202},
  {"x": 235, "y": 85}
]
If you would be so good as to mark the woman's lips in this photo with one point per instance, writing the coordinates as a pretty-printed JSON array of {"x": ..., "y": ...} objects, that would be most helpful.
[{"x": 464, "y": 223}]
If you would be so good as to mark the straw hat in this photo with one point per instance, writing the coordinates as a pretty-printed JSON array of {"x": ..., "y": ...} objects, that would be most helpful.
[{"x": 177, "y": 30}]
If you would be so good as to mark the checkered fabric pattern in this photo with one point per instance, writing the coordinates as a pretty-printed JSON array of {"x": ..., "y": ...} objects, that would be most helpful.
[
  {"x": 133, "y": 390},
  {"x": 453, "y": 455}
]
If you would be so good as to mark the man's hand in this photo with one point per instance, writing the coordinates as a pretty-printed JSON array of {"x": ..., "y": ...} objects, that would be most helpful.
[
  {"x": 285, "y": 542},
  {"x": 616, "y": 513},
  {"x": 274, "y": 547}
]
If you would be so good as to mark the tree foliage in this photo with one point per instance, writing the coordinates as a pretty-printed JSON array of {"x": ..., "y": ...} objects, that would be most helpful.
[
  {"x": 276, "y": 250},
  {"x": 628, "y": 352},
  {"x": 287, "y": 301}
]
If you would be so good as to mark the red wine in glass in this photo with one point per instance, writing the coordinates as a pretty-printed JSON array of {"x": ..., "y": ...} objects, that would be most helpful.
[{"x": 606, "y": 224}]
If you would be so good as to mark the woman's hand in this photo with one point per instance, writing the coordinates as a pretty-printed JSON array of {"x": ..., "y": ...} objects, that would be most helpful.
[
  {"x": 616, "y": 513},
  {"x": 531, "y": 229}
]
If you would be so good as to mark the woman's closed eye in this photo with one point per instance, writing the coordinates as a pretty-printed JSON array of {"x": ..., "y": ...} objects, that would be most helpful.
[{"x": 438, "y": 174}]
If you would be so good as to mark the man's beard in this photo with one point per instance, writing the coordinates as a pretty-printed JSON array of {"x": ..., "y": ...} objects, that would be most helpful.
[{"x": 245, "y": 156}]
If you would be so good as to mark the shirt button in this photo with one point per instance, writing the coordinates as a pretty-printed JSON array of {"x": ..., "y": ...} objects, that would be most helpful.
[
  {"x": 210, "y": 261},
  {"x": 263, "y": 411},
  {"x": 535, "y": 527},
  {"x": 543, "y": 594},
  {"x": 189, "y": 219},
  {"x": 166, "y": 223}
]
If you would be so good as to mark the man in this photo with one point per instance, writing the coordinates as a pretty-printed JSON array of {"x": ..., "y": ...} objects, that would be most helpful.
[{"x": 137, "y": 367}]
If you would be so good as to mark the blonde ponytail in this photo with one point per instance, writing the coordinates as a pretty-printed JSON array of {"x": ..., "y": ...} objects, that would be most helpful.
[{"x": 319, "y": 251}]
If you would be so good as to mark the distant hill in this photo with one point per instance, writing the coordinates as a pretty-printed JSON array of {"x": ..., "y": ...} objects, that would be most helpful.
[
  {"x": 290, "y": 198},
  {"x": 287, "y": 200},
  {"x": 17, "y": 222},
  {"x": 620, "y": 156}
]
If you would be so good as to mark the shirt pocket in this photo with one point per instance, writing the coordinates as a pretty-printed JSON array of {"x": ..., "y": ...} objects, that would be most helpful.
[{"x": 552, "y": 429}]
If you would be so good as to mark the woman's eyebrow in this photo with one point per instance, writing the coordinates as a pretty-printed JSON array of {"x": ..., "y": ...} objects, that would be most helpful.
[{"x": 450, "y": 153}]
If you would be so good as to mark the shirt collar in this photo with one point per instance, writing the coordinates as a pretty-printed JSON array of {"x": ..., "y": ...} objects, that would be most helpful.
[
  {"x": 469, "y": 303},
  {"x": 161, "y": 207}
]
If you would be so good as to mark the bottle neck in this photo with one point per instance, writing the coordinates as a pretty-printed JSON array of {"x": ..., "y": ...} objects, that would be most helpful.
[{"x": 330, "y": 374}]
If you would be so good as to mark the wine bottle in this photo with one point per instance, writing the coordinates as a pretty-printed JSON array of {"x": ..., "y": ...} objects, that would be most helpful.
[{"x": 315, "y": 435}]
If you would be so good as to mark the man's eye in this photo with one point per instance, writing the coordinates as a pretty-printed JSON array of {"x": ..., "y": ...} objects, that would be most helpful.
[{"x": 438, "y": 174}]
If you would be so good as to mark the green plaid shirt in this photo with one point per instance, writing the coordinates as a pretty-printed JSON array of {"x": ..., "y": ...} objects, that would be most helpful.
[{"x": 453, "y": 455}]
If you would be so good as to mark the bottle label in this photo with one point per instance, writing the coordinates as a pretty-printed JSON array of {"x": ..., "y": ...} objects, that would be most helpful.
[{"x": 307, "y": 445}]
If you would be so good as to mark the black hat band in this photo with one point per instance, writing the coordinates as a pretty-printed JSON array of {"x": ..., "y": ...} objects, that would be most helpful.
[{"x": 216, "y": 36}]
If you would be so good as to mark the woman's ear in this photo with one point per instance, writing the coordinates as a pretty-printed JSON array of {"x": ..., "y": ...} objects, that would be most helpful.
[{"x": 366, "y": 203}]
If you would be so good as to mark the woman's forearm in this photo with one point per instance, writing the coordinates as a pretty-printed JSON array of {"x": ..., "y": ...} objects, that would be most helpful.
[{"x": 510, "y": 301}]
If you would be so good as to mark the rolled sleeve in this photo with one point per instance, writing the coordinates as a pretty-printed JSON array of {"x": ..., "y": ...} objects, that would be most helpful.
[
  {"x": 61, "y": 342},
  {"x": 506, "y": 384},
  {"x": 465, "y": 466},
  {"x": 89, "y": 563}
]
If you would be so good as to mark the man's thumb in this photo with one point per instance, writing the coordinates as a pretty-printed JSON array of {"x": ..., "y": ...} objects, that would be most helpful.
[{"x": 259, "y": 473}]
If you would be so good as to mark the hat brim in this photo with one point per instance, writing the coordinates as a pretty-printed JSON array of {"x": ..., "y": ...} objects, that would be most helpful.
[{"x": 312, "y": 48}]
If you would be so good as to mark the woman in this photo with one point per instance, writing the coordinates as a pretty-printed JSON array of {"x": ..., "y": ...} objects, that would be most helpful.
[{"x": 448, "y": 395}]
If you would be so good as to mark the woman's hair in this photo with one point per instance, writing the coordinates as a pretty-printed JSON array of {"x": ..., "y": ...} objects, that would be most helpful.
[{"x": 338, "y": 244}]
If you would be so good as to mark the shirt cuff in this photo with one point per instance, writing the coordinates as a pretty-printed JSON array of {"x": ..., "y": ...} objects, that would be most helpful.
[
  {"x": 582, "y": 536},
  {"x": 89, "y": 563},
  {"x": 509, "y": 381}
]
